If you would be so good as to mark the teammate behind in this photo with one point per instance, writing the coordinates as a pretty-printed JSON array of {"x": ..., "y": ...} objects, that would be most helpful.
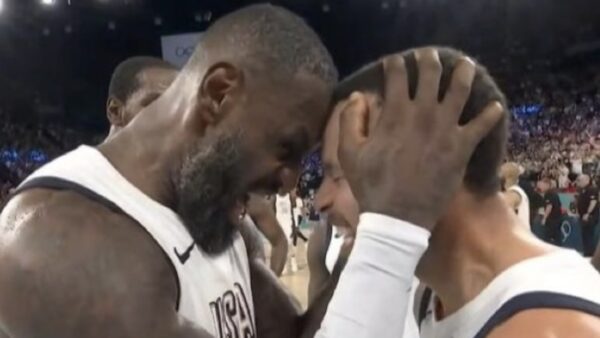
[{"x": 135, "y": 84}]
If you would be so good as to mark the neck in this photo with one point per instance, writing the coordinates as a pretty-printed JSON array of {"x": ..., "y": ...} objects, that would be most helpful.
[
  {"x": 148, "y": 151},
  {"x": 473, "y": 244}
]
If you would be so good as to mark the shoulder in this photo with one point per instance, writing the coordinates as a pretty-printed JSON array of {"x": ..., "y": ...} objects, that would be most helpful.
[
  {"x": 549, "y": 323},
  {"x": 34, "y": 218},
  {"x": 56, "y": 241}
]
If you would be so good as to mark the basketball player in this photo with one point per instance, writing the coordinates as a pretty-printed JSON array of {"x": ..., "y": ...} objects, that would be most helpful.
[
  {"x": 287, "y": 206},
  {"x": 139, "y": 81},
  {"x": 515, "y": 196},
  {"x": 260, "y": 215},
  {"x": 490, "y": 276},
  {"x": 134, "y": 85},
  {"x": 138, "y": 237}
]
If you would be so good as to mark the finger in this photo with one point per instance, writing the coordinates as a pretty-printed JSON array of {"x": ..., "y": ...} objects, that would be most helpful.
[
  {"x": 480, "y": 126},
  {"x": 396, "y": 90},
  {"x": 430, "y": 73},
  {"x": 460, "y": 88},
  {"x": 353, "y": 125}
]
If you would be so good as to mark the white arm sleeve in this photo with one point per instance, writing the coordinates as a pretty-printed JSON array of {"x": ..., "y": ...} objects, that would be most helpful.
[{"x": 372, "y": 295}]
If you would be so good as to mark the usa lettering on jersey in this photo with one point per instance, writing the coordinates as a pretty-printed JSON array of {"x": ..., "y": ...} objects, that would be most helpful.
[{"x": 232, "y": 315}]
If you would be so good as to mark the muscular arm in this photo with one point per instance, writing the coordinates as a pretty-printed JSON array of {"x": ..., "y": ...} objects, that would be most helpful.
[
  {"x": 264, "y": 217},
  {"x": 70, "y": 268},
  {"x": 316, "y": 252}
]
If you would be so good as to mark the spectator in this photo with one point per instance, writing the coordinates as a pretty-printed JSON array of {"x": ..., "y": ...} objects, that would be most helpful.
[{"x": 587, "y": 208}]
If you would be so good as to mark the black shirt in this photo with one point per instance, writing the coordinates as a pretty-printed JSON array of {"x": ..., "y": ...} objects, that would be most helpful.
[
  {"x": 585, "y": 198},
  {"x": 551, "y": 198}
]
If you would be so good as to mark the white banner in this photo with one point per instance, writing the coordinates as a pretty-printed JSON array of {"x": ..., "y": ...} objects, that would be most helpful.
[{"x": 177, "y": 49}]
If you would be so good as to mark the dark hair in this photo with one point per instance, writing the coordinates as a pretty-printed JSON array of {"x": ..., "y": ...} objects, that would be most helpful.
[
  {"x": 124, "y": 80},
  {"x": 481, "y": 176},
  {"x": 273, "y": 36}
]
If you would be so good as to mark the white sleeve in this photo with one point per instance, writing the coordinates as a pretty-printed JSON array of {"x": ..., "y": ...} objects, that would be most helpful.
[{"x": 372, "y": 295}]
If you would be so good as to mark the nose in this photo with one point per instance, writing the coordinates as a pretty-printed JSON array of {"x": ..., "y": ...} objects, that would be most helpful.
[
  {"x": 289, "y": 178},
  {"x": 324, "y": 196}
]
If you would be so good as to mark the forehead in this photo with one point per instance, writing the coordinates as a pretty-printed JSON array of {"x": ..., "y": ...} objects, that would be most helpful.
[{"x": 301, "y": 102}]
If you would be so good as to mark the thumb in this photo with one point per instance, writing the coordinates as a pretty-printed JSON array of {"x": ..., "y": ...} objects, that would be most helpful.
[{"x": 354, "y": 125}]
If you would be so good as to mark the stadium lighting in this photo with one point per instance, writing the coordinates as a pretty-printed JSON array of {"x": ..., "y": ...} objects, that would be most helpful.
[
  {"x": 385, "y": 5},
  {"x": 47, "y": 2},
  {"x": 326, "y": 8}
]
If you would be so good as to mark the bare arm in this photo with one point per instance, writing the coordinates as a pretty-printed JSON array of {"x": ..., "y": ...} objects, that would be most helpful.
[
  {"x": 547, "y": 212},
  {"x": 76, "y": 270},
  {"x": 316, "y": 253},
  {"x": 264, "y": 217}
]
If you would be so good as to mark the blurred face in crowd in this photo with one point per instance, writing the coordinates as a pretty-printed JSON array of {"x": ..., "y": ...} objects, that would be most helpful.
[
  {"x": 334, "y": 196},
  {"x": 260, "y": 128},
  {"x": 583, "y": 181},
  {"x": 543, "y": 186},
  {"x": 152, "y": 82}
]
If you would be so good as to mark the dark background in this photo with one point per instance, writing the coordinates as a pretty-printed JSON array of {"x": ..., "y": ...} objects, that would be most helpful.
[{"x": 55, "y": 61}]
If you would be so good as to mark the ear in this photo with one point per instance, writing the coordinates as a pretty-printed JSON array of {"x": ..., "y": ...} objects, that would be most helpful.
[
  {"x": 219, "y": 90},
  {"x": 115, "y": 112}
]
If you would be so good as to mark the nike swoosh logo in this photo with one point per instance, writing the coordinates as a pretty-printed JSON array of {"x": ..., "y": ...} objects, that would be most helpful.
[{"x": 186, "y": 254}]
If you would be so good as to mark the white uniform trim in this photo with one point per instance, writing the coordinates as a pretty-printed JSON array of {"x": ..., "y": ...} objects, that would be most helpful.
[
  {"x": 562, "y": 272},
  {"x": 208, "y": 284}
]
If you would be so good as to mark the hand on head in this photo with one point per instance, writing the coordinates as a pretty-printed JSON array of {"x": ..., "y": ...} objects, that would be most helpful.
[{"x": 409, "y": 159}]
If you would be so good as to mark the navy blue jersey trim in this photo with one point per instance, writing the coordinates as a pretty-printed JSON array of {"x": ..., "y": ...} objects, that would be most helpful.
[
  {"x": 55, "y": 183},
  {"x": 537, "y": 300}
]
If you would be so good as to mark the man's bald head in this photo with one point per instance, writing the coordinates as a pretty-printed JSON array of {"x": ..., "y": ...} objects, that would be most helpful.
[
  {"x": 266, "y": 38},
  {"x": 252, "y": 101}
]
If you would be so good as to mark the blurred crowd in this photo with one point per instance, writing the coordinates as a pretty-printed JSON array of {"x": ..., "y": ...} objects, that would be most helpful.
[
  {"x": 555, "y": 131},
  {"x": 25, "y": 147},
  {"x": 555, "y": 134}
]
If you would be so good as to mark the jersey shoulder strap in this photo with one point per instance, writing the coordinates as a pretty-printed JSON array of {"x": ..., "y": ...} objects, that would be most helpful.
[{"x": 537, "y": 300}]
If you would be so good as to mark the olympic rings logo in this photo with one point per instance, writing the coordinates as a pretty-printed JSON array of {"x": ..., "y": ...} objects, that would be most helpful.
[{"x": 184, "y": 51}]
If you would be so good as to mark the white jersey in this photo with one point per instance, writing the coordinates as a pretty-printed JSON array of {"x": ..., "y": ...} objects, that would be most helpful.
[
  {"x": 562, "y": 279},
  {"x": 523, "y": 207},
  {"x": 214, "y": 291},
  {"x": 331, "y": 256}
]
